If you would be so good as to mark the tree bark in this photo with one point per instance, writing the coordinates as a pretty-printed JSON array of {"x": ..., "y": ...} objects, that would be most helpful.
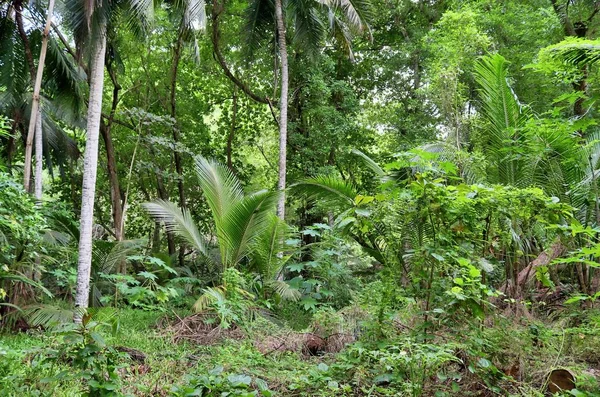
[
  {"x": 576, "y": 29},
  {"x": 231, "y": 135},
  {"x": 173, "y": 104},
  {"x": 90, "y": 166},
  {"x": 111, "y": 161},
  {"x": 543, "y": 259},
  {"x": 39, "y": 156},
  {"x": 283, "y": 105},
  {"x": 163, "y": 195},
  {"x": 35, "y": 104}
]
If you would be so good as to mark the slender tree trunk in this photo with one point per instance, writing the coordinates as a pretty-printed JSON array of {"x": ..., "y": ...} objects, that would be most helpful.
[
  {"x": 39, "y": 155},
  {"x": 90, "y": 165},
  {"x": 111, "y": 161},
  {"x": 10, "y": 148},
  {"x": 229, "y": 149},
  {"x": 283, "y": 106},
  {"x": 35, "y": 104},
  {"x": 20, "y": 27},
  {"x": 173, "y": 103},
  {"x": 162, "y": 193}
]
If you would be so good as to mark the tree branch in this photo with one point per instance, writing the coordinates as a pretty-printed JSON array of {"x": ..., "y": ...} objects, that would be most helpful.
[{"x": 217, "y": 9}]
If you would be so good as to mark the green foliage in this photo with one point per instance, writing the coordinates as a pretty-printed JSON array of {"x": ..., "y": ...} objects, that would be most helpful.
[
  {"x": 20, "y": 223},
  {"x": 86, "y": 352},
  {"x": 230, "y": 302},
  {"x": 238, "y": 220},
  {"x": 217, "y": 383}
]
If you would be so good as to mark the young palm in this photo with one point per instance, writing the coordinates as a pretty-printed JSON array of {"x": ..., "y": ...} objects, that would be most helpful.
[
  {"x": 244, "y": 225},
  {"x": 238, "y": 219}
]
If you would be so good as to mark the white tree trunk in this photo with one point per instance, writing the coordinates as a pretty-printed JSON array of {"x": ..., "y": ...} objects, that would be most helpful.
[
  {"x": 283, "y": 106},
  {"x": 35, "y": 104},
  {"x": 39, "y": 148},
  {"x": 90, "y": 165}
]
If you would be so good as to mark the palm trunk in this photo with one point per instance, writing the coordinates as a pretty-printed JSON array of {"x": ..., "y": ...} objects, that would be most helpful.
[
  {"x": 39, "y": 148},
  {"x": 90, "y": 165},
  {"x": 176, "y": 155},
  {"x": 35, "y": 104},
  {"x": 230, "y": 137},
  {"x": 283, "y": 105}
]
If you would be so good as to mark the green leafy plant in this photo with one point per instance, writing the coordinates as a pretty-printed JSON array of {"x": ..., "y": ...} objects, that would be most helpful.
[
  {"x": 217, "y": 383},
  {"x": 230, "y": 302},
  {"x": 84, "y": 349}
]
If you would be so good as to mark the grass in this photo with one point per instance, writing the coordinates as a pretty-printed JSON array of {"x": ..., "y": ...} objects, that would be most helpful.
[{"x": 535, "y": 347}]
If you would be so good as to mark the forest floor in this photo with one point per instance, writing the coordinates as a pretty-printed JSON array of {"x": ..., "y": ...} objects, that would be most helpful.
[{"x": 504, "y": 359}]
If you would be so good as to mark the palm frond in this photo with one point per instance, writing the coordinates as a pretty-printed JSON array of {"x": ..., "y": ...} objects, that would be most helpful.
[
  {"x": 576, "y": 51},
  {"x": 179, "y": 222},
  {"x": 327, "y": 188},
  {"x": 308, "y": 26},
  {"x": 259, "y": 25},
  {"x": 505, "y": 116},
  {"x": 356, "y": 12},
  {"x": 208, "y": 297},
  {"x": 370, "y": 163},
  {"x": 244, "y": 222},
  {"x": 220, "y": 186},
  {"x": 268, "y": 245},
  {"x": 284, "y": 290},
  {"x": 49, "y": 316},
  {"x": 499, "y": 104}
]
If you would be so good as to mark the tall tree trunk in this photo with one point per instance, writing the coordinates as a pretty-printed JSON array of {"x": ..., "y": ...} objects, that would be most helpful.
[
  {"x": 90, "y": 165},
  {"x": 18, "y": 5},
  {"x": 111, "y": 161},
  {"x": 10, "y": 147},
  {"x": 283, "y": 106},
  {"x": 35, "y": 104},
  {"x": 21, "y": 29},
  {"x": 39, "y": 155},
  {"x": 231, "y": 135},
  {"x": 173, "y": 103}
]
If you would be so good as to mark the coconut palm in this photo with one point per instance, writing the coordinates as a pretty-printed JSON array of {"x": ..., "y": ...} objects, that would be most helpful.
[
  {"x": 91, "y": 22},
  {"x": 309, "y": 20},
  {"x": 60, "y": 98}
]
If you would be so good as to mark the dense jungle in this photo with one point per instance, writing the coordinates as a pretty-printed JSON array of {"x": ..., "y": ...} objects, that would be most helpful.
[{"x": 300, "y": 198}]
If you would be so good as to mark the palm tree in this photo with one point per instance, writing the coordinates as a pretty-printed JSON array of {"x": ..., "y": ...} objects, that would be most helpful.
[
  {"x": 523, "y": 151},
  {"x": 308, "y": 20},
  {"x": 59, "y": 100},
  {"x": 91, "y": 22},
  {"x": 246, "y": 228},
  {"x": 35, "y": 121},
  {"x": 238, "y": 219},
  {"x": 506, "y": 118}
]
